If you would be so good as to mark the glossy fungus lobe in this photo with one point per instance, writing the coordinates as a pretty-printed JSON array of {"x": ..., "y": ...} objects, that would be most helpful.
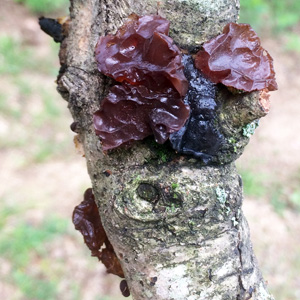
[
  {"x": 87, "y": 220},
  {"x": 75, "y": 127},
  {"x": 132, "y": 113},
  {"x": 236, "y": 59},
  {"x": 200, "y": 136},
  {"x": 124, "y": 288},
  {"x": 111, "y": 261},
  {"x": 141, "y": 53}
]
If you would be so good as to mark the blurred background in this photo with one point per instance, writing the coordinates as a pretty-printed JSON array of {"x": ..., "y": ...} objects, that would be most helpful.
[{"x": 42, "y": 177}]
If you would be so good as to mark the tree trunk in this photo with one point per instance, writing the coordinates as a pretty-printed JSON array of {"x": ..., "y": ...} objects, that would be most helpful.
[{"x": 175, "y": 224}]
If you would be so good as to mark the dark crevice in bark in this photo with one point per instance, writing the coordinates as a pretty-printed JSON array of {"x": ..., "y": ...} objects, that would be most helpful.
[
  {"x": 106, "y": 17},
  {"x": 92, "y": 73},
  {"x": 241, "y": 272}
]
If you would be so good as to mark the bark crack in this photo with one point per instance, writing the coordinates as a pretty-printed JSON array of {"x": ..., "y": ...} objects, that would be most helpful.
[
  {"x": 94, "y": 73},
  {"x": 241, "y": 295},
  {"x": 106, "y": 16}
]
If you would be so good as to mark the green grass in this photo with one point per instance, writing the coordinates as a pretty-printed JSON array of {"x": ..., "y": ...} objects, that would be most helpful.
[
  {"x": 281, "y": 195},
  {"x": 6, "y": 212},
  {"x": 294, "y": 199},
  {"x": 35, "y": 130},
  {"x": 7, "y": 109},
  {"x": 18, "y": 242},
  {"x": 278, "y": 199},
  {"x": 34, "y": 288},
  {"x": 253, "y": 183},
  {"x": 32, "y": 125},
  {"x": 47, "y": 149},
  {"x": 15, "y": 57},
  {"x": 44, "y": 6},
  {"x": 255, "y": 12},
  {"x": 276, "y": 17},
  {"x": 292, "y": 41},
  {"x": 21, "y": 243}
]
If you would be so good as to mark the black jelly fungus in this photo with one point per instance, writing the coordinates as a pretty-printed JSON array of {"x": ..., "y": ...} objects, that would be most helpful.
[
  {"x": 53, "y": 28},
  {"x": 200, "y": 136}
]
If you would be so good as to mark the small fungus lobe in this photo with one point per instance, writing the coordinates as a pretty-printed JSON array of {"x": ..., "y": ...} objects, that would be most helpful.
[
  {"x": 124, "y": 288},
  {"x": 75, "y": 127},
  {"x": 53, "y": 28},
  {"x": 236, "y": 59},
  {"x": 141, "y": 53},
  {"x": 87, "y": 220},
  {"x": 153, "y": 280},
  {"x": 131, "y": 113}
]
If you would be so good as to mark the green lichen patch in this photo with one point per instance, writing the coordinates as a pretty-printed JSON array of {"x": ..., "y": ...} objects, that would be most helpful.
[
  {"x": 221, "y": 196},
  {"x": 249, "y": 129}
]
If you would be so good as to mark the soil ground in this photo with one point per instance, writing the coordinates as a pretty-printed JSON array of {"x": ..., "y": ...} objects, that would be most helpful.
[{"x": 37, "y": 185}]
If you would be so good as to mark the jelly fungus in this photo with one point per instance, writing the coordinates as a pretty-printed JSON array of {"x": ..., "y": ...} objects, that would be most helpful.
[
  {"x": 141, "y": 53},
  {"x": 111, "y": 261},
  {"x": 236, "y": 59},
  {"x": 53, "y": 28},
  {"x": 131, "y": 113},
  {"x": 149, "y": 101},
  {"x": 75, "y": 127},
  {"x": 200, "y": 136},
  {"x": 87, "y": 220},
  {"x": 124, "y": 288}
]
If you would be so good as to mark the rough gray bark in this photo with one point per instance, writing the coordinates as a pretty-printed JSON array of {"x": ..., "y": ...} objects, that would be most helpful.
[{"x": 177, "y": 226}]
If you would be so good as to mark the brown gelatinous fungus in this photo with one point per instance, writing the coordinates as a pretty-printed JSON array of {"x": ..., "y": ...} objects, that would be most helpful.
[
  {"x": 153, "y": 280},
  {"x": 87, "y": 220},
  {"x": 150, "y": 100},
  {"x": 236, "y": 59},
  {"x": 111, "y": 261},
  {"x": 75, "y": 127},
  {"x": 132, "y": 113},
  {"x": 124, "y": 288},
  {"x": 141, "y": 53}
]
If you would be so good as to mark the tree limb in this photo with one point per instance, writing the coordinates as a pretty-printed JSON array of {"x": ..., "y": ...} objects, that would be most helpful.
[{"x": 199, "y": 248}]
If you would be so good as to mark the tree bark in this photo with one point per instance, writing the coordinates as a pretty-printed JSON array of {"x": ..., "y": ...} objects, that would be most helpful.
[{"x": 199, "y": 248}]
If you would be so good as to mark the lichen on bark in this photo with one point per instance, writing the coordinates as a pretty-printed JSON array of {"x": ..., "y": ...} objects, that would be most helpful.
[{"x": 174, "y": 237}]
